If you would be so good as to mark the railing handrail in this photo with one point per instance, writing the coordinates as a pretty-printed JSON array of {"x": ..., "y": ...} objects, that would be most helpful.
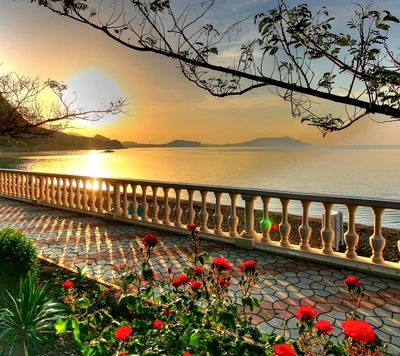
[{"x": 279, "y": 194}]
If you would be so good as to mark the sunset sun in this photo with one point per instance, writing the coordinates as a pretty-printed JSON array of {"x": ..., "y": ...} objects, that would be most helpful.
[{"x": 93, "y": 89}]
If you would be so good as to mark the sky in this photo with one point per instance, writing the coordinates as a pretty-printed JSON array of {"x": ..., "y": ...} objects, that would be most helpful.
[{"x": 163, "y": 105}]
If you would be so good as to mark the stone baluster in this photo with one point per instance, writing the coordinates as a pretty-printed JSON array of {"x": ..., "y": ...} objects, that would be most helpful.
[
  {"x": 71, "y": 194},
  {"x": 2, "y": 182},
  {"x": 14, "y": 184},
  {"x": 265, "y": 222},
  {"x": 42, "y": 195},
  {"x": 178, "y": 209},
  {"x": 233, "y": 218},
  {"x": 166, "y": 208},
  {"x": 351, "y": 237},
  {"x": 125, "y": 201},
  {"x": 33, "y": 187},
  {"x": 78, "y": 193},
  {"x": 135, "y": 204},
  {"x": 85, "y": 196},
  {"x": 155, "y": 207},
  {"x": 100, "y": 198},
  {"x": 18, "y": 181},
  {"x": 5, "y": 183},
  {"x": 47, "y": 195},
  {"x": 52, "y": 191},
  {"x": 284, "y": 226},
  {"x": 327, "y": 233},
  {"x": 108, "y": 197},
  {"x": 203, "y": 212},
  {"x": 218, "y": 217},
  {"x": 190, "y": 213},
  {"x": 377, "y": 241},
  {"x": 64, "y": 192},
  {"x": 249, "y": 216},
  {"x": 117, "y": 198},
  {"x": 92, "y": 195},
  {"x": 27, "y": 191},
  {"x": 145, "y": 205},
  {"x": 305, "y": 229},
  {"x": 10, "y": 185}
]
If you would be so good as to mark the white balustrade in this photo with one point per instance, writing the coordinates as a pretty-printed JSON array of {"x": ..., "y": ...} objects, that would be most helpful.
[{"x": 232, "y": 208}]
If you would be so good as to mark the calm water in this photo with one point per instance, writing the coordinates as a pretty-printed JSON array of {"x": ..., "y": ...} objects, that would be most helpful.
[{"x": 362, "y": 171}]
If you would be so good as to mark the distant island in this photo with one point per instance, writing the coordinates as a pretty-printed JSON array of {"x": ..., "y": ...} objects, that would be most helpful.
[
  {"x": 258, "y": 142},
  {"x": 67, "y": 142}
]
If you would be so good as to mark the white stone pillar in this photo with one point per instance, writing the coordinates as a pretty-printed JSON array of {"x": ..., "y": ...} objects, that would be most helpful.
[
  {"x": 377, "y": 241},
  {"x": 233, "y": 218},
  {"x": 351, "y": 237},
  {"x": 284, "y": 226},
  {"x": 305, "y": 229}
]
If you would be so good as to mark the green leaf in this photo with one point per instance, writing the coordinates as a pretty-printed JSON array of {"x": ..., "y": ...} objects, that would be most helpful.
[
  {"x": 83, "y": 303},
  {"x": 61, "y": 325},
  {"x": 195, "y": 339}
]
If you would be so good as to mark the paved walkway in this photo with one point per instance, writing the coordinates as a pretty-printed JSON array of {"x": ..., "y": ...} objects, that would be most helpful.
[{"x": 284, "y": 283}]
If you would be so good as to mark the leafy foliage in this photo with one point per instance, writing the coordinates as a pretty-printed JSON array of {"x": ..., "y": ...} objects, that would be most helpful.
[
  {"x": 193, "y": 314},
  {"x": 17, "y": 254},
  {"x": 23, "y": 115},
  {"x": 28, "y": 319}
]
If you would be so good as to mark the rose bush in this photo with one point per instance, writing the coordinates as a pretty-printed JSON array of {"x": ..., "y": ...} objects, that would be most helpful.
[{"x": 192, "y": 313}]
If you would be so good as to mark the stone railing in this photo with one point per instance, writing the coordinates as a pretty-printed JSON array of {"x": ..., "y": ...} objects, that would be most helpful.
[{"x": 224, "y": 214}]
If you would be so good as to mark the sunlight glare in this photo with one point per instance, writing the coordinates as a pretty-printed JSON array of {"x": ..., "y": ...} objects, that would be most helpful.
[{"x": 93, "y": 89}]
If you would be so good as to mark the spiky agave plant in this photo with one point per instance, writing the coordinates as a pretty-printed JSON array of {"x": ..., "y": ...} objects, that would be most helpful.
[{"x": 28, "y": 319}]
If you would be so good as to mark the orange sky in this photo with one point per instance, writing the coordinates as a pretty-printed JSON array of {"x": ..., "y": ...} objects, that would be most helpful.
[{"x": 163, "y": 105}]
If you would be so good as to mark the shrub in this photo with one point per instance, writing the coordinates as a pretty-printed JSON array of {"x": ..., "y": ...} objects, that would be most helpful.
[
  {"x": 17, "y": 253},
  {"x": 17, "y": 259}
]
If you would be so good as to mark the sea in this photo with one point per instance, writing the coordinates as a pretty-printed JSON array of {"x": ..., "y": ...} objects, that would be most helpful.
[{"x": 363, "y": 171}]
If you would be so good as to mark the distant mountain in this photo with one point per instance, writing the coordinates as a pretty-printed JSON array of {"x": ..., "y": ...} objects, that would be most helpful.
[
  {"x": 61, "y": 141},
  {"x": 258, "y": 142},
  {"x": 270, "y": 142},
  {"x": 182, "y": 143},
  {"x": 175, "y": 143}
]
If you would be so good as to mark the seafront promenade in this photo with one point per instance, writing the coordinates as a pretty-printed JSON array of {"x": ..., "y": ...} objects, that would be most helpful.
[{"x": 284, "y": 284}]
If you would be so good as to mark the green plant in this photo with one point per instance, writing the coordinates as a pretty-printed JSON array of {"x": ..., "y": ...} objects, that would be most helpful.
[
  {"x": 28, "y": 319},
  {"x": 17, "y": 254},
  {"x": 192, "y": 313}
]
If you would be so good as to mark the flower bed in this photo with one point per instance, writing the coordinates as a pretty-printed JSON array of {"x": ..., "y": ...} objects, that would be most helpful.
[{"x": 191, "y": 313}]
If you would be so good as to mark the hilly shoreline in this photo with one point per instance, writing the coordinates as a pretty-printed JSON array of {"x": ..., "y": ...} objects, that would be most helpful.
[{"x": 258, "y": 142}]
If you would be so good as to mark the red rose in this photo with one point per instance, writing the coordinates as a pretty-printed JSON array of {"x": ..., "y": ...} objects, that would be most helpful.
[
  {"x": 306, "y": 312},
  {"x": 187, "y": 354},
  {"x": 169, "y": 269},
  {"x": 224, "y": 282},
  {"x": 192, "y": 227},
  {"x": 249, "y": 265},
  {"x": 150, "y": 240},
  {"x": 123, "y": 354},
  {"x": 358, "y": 330},
  {"x": 220, "y": 264},
  {"x": 180, "y": 280},
  {"x": 67, "y": 284},
  {"x": 323, "y": 326},
  {"x": 123, "y": 332},
  {"x": 195, "y": 284},
  {"x": 158, "y": 324},
  {"x": 284, "y": 350},
  {"x": 198, "y": 270},
  {"x": 275, "y": 227},
  {"x": 167, "y": 311},
  {"x": 351, "y": 282}
]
